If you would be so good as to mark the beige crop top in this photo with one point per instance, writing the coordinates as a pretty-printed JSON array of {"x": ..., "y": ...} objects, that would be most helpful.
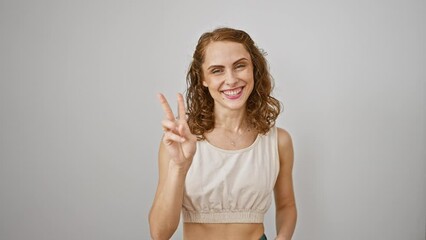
[{"x": 231, "y": 186}]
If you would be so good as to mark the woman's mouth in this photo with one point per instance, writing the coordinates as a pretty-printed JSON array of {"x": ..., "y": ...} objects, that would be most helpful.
[{"x": 233, "y": 93}]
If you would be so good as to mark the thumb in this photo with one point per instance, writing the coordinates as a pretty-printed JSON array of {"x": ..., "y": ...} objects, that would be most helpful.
[
  {"x": 181, "y": 130},
  {"x": 185, "y": 132}
]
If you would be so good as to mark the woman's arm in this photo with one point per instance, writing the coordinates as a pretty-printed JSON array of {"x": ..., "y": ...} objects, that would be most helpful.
[
  {"x": 177, "y": 149},
  {"x": 286, "y": 213},
  {"x": 165, "y": 212}
]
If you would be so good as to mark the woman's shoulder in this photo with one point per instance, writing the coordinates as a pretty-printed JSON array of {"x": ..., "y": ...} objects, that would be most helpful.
[{"x": 285, "y": 141}]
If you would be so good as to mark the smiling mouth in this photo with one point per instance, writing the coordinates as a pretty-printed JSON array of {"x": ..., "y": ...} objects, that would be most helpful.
[{"x": 233, "y": 93}]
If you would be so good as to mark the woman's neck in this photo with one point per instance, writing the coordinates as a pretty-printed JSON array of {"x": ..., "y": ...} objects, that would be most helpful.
[{"x": 232, "y": 121}]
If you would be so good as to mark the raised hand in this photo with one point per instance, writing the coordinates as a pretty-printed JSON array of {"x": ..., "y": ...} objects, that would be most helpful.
[{"x": 179, "y": 142}]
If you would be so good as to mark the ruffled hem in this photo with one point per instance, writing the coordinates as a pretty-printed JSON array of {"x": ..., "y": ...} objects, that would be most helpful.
[{"x": 222, "y": 217}]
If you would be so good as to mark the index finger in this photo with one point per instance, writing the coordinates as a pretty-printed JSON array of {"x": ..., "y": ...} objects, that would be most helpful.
[
  {"x": 181, "y": 107},
  {"x": 166, "y": 107}
]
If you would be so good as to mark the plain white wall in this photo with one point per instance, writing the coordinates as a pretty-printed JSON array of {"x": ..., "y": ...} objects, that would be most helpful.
[{"x": 79, "y": 120}]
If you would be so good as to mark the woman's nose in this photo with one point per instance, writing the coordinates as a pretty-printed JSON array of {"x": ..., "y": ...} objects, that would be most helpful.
[{"x": 231, "y": 78}]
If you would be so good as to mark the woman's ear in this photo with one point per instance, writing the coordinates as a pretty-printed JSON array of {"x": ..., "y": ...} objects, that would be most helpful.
[{"x": 205, "y": 84}]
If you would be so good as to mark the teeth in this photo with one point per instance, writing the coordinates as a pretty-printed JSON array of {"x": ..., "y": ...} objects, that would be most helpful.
[{"x": 232, "y": 92}]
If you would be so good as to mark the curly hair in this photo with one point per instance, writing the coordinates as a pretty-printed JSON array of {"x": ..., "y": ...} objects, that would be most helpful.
[{"x": 262, "y": 109}]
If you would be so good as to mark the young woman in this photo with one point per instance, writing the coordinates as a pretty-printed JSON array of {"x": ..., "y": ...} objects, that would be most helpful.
[{"x": 221, "y": 159}]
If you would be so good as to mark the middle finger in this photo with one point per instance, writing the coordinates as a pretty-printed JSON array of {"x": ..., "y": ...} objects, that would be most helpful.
[{"x": 166, "y": 107}]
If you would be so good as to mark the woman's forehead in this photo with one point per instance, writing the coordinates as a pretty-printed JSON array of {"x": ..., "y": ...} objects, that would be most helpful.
[{"x": 224, "y": 52}]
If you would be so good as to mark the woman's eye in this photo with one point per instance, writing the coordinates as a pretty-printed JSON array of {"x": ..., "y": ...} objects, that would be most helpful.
[
  {"x": 214, "y": 71},
  {"x": 240, "y": 66}
]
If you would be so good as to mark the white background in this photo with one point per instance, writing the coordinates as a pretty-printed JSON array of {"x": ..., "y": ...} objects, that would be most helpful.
[{"x": 80, "y": 122}]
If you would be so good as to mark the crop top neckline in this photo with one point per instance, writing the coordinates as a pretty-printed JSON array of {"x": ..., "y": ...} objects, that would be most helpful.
[{"x": 234, "y": 150}]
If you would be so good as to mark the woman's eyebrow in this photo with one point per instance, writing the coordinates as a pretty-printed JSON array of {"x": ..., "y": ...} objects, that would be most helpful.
[
  {"x": 221, "y": 66},
  {"x": 215, "y": 66},
  {"x": 240, "y": 60}
]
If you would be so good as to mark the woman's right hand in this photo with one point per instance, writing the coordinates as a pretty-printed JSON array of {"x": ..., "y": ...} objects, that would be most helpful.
[{"x": 178, "y": 140}]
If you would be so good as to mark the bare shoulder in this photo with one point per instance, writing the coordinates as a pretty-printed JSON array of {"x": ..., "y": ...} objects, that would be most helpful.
[
  {"x": 285, "y": 149},
  {"x": 284, "y": 140}
]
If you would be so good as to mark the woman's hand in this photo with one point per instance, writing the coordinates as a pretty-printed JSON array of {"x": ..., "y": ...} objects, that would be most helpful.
[{"x": 179, "y": 142}]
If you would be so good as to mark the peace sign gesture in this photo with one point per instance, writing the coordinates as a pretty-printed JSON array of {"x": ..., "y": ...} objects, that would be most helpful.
[{"x": 179, "y": 142}]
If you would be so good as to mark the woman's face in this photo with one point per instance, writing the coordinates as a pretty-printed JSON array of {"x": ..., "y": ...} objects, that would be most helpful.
[{"x": 228, "y": 74}]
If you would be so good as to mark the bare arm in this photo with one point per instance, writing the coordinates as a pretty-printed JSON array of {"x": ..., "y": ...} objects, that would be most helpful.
[
  {"x": 174, "y": 159},
  {"x": 286, "y": 213}
]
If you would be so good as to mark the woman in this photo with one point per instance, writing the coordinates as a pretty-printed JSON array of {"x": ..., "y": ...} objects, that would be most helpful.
[{"x": 221, "y": 159}]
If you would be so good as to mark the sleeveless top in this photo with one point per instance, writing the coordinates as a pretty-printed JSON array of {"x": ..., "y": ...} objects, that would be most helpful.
[{"x": 231, "y": 186}]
